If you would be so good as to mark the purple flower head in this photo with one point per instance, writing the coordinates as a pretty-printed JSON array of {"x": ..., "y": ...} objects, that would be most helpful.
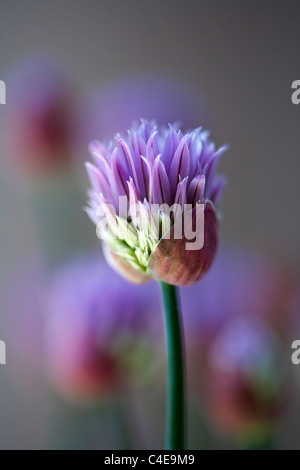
[
  {"x": 154, "y": 168},
  {"x": 100, "y": 330}
]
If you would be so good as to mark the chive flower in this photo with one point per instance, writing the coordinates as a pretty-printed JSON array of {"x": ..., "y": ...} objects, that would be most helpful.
[{"x": 163, "y": 174}]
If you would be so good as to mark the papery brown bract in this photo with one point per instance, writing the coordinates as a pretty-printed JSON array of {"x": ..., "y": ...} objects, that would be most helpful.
[{"x": 172, "y": 263}]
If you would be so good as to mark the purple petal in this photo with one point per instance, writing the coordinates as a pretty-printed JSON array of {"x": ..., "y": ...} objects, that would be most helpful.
[
  {"x": 119, "y": 176},
  {"x": 169, "y": 149},
  {"x": 180, "y": 166},
  {"x": 152, "y": 149},
  {"x": 195, "y": 147},
  {"x": 210, "y": 169},
  {"x": 196, "y": 189},
  {"x": 98, "y": 181},
  {"x": 99, "y": 156},
  {"x": 181, "y": 196},
  {"x": 133, "y": 193},
  {"x": 148, "y": 171},
  {"x": 139, "y": 148},
  {"x": 131, "y": 161},
  {"x": 160, "y": 187},
  {"x": 217, "y": 190},
  {"x": 145, "y": 130}
]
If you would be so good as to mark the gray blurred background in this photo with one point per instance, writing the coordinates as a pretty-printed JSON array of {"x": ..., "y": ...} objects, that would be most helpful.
[{"x": 241, "y": 55}]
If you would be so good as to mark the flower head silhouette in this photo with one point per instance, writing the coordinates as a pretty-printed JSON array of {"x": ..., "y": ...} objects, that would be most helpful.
[{"x": 154, "y": 169}]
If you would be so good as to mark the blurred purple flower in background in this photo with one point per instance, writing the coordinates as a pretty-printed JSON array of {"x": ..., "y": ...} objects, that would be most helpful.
[
  {"x": 39, "y": 119},
  {"x": 153, "y": 166},
  {"x": 241, "y": 282},
  {"x": 246, "y": 379},
  {"x": 237, "y": 323},
  {"x": 102, "y": 332},
  {"x": 113, "y": 107}
]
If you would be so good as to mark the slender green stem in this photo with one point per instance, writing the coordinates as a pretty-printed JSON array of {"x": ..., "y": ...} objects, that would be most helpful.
[{"x": 175, "y": 417}]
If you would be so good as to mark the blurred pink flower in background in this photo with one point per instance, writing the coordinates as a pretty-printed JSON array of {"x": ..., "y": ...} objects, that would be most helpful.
[
  {"x": 246, "y": 379},
  {"x": 238, "y": 321},
  {"x": 39, "y": 118},
  {"x": 241, "y": 282},
  {"x": 102, "y": 333},
  {"x": 114, "y": 107}
]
